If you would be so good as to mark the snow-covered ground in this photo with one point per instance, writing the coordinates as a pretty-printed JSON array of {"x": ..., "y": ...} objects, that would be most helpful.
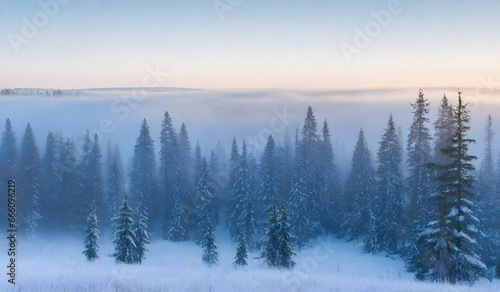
[{"x": 330, "y": 265}]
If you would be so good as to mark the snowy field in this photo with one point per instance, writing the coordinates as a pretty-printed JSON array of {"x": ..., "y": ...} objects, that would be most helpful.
[{"x": 331, "y": 265}]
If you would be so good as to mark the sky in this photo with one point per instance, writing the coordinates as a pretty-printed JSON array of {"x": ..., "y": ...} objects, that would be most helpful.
[{"x": 249, "y": 44}]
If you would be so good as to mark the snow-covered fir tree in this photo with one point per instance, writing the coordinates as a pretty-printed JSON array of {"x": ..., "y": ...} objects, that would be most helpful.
[
  {"x": 241, "y": 257},
  {"x": 210, "y": 255},
  {"x": 234, "y": 160},
  {"x": 28, "y": 190},
  {"x": 168, "y": 170},
  {"x": 8, "y": 154},
  {"x": 359, "y": 192},
  {"x": 185, "y": 166},
  {"x": 50, "y": 187},
  {"x": 420, "y": 183},
  {"x": 305, "y": 225},
  {"x": 90, "y": 178},
  {"x": 204, "y": 213},
  {"x": 125, "y": 246},
  {"x": 69, "y": 200},
  {"x": 8, "y": 158},
  {"x": 143, "y": 182},
  {"x": 309, "y": 161},
  {"x": 141, "y": 228},
  {"x": 330, "y": 184},
  {"x": 269, "y": 183},
  {"x": 241, "y": 212},
  {"x": 390, "y": 195},
  {"x": 177, "y": 230},
  {"x": 285, "y": 246},
  {"x": 115, "y": 191},
  {"x": 419, "y": 157},
  {"x": 270, "y": 242},
  {"x": 91, "y": 237},
  {"x": 452, "y": 232}
]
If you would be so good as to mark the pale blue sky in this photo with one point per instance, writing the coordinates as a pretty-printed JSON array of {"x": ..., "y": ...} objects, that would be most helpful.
[{"x": 259, "y": 44}]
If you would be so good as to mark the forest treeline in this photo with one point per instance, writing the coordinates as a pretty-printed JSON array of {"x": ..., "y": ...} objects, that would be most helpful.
[{"x": 439, "y": 216}]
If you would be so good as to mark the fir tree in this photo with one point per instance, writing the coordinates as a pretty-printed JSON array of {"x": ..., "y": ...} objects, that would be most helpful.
[
  {"x": 271, "y": 238},
  {"x": 143, "y": 183},
  {"x": 269, "y": 184},
  {"x": 185, "y": 165},
  {"x": 359, "y": 192},
  {"x": 330, "y": 185},
  {"x": 210, "y": 255},
  {"x": 312, "y": 173},
  {"x": 241, "y": 251},
  {"x": 241, "y": 215},
  {"x": 8, "y": 158},
  {"x": 177, "y": 224},
  {"x": 168, "y": 168},
  {"x": 419, "y": 183},
  {"x": 204, "y": 214},
  {"x": 114, "y": 179},
  {"x": 50, "y": 187},
  {"x": 69, "y": 200},
  {"x": 300, "y": 204},
  {"x": 419, "y": 156},
  {"x": 92, "y": 235},
  {"x": 141, "y": 233},
  {"x": 125, "y": 246},
  {"x": 390, "y": 196},
  {"x": 29, "y": 183},
  {"x": 452, "y": 232},
  {"x": 90, "y": 178},
  {"x": 285, "y": 247}
]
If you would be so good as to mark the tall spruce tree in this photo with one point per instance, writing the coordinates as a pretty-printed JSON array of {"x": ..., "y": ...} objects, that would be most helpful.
[
  {"x": 359, "y": 191},
  {"x": 269, "y": 184},
  {"x": 204, "y": 213},
  {"x": 8, "y": 159},
  {"x": 419, "y": 157},
  {"x": 125, "y": 246},
  {"x": 90, "y": 179},
  {"x": 115, "y": 189},
  {"x": 330, "y": 184},
  {"x": 143, "y": 183},
  {"x": 310, "y": 163},
  {"x": 50, "y": 187},
  {"x": 300, "y": 204},
  {"x": 69, "y": 200},
  {"x": 451, "y": 235},
  {"x": 420, "y": 183},
  {"x": 185, "y": 166},
  {"x": 390, "y": 195},
  {"x": 29, "y": 183},
  {"x": 91, "y": 237},
  {"x": 241, "y": 212},
  {"x": 168, "y": 168}
]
